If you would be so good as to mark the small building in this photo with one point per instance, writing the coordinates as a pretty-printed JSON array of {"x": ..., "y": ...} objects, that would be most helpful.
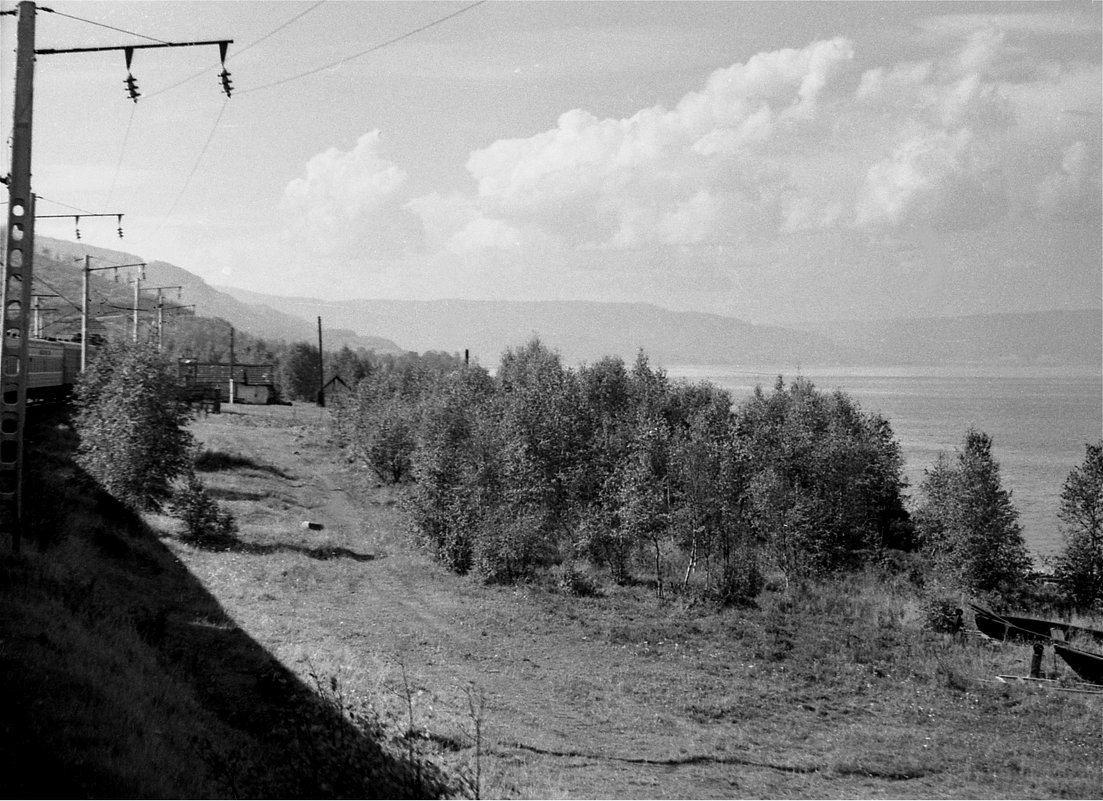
[
  {"x": 253, "y": 393},
  {"x": 253, "y": 383}
]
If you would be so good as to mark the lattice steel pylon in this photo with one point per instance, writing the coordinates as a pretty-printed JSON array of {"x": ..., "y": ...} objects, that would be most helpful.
[{"x": 15, "y": 301}]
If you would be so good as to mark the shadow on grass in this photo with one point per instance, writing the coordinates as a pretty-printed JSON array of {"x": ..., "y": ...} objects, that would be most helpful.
[
  {"x": 124, "y": 677},
  {"x": 323, "y": 553},
  {"x": 210, "y": 461}
]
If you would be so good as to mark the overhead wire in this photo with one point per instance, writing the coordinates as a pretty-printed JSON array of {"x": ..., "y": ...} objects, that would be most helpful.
[
  {"x": 122, "y": 152},
  {"x": 101, "y": 25},
  {"x": 218, "y": 119},
  {"x": 362, "y": 53},
  {"x": 195, "y": 166},
  {"x": 237, "y": 53},
  {"x": 56, "y": 291}
]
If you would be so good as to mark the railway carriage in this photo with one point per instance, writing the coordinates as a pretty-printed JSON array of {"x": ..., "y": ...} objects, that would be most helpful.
[{"x": 52, "y": 368}]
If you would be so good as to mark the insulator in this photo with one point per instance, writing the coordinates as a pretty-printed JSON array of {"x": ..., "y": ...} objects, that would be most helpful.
[{"x": 132, "y": 87}]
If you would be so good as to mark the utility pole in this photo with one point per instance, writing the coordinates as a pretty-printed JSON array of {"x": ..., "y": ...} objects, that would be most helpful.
[
  {"x": 88, "y": 269},
  {"x": 321, "y": 368},
  {"x": 137, "y": 289},
  {"x": 231, "y": 364},
  {"x": 161, "y": 310},
  {"x": 38, "y": 312},
  {"x": 18, "y": 269},
  {"x": 15, "y": 297}
]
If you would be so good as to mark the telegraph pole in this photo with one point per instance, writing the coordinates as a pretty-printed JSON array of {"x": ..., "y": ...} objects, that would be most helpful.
[
  {"x": 88, "y": 269},
  {"x": 18, "y": 269},
  {"x": 231, "y": 388},
  {"x": 321, "y": 369},
  {"x": 15, "y": 297},
  {"x": 137, "y": 289},
  {"x": 161, "y": 310},
  {"x": 38, "y": 311}
]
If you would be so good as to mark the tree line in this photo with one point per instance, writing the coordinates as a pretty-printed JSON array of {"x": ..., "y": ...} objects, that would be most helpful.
[
  {"x": 616, "y": 470},
  {"x": 622, "y": 469}
]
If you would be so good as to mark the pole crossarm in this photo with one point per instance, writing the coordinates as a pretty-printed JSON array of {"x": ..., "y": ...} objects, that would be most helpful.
[
  {"x": 52, "y": 51},
  {"x": 69, "y": 216}
]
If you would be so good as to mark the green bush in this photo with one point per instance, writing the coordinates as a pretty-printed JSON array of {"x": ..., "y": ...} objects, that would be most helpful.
[
  {"x": 741, "y": 581},
  {"x": 205, "y": 523},
  {"x": 941, "y": 614},
  {"x": 572, "y": 581},
  {"x": 131, "y": 424}
]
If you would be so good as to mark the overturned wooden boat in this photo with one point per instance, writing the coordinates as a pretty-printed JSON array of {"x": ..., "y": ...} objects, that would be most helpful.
[
  {"x": 1086, "y": 665},
  {"x": 1029, "y": 629}
]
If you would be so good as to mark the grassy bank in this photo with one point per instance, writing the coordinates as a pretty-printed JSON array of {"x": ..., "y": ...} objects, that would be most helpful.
[
  {"x": 123, "y": 676},
  {"x": 335, "y": 660}
]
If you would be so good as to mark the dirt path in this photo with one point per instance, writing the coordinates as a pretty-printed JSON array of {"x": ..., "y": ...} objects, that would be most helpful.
[
  {"x": 609, "y": 697},
  {"x": 352, "y": 600}
]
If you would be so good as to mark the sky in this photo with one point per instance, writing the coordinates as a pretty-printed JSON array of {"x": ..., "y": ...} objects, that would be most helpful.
[{"x": 770, "y": 161}]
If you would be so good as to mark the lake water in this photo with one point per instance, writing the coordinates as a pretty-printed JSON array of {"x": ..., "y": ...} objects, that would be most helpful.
[{"x": 1039, "y": 420}]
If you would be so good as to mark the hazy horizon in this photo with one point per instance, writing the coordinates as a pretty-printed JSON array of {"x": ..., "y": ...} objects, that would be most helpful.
[{"x": 764, "y": 161}]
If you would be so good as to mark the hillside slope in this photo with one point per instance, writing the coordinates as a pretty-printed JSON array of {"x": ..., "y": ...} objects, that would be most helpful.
[
  {"x": 580, "y": 331},
  {"x": 58, "y": 265}
]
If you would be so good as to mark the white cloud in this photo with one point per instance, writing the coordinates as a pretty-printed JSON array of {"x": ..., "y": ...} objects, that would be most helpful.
[
  {"x": 664, "y": 177},
  {"x": 932, "y": 178},
  {"x": 785, "y": 147},
  {"x": 349, "y": 201},
  {"x": 1074, "y": 189}
]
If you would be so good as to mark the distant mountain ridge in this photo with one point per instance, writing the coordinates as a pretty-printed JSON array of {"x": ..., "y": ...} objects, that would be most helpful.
[
  {"x": 586, "y": 331},
  {"x": 580, "y": 331}
]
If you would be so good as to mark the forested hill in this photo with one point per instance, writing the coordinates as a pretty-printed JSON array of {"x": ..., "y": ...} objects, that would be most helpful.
[
  {"x": 580, "y": 331},
  {"x": 58, "y": 267}
]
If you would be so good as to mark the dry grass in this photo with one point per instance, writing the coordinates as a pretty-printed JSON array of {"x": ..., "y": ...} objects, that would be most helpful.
[{"x": 825, "y": 691}]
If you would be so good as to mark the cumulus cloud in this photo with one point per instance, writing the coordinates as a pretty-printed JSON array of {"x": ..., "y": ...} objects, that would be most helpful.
[
  {"x": 1073, "y": 190},
  {"x": 792, "y": 142},
  {"x": 351, "y": 200},
  {"x": 932, "y": 178},
  {"x": 697, "y": 172}
]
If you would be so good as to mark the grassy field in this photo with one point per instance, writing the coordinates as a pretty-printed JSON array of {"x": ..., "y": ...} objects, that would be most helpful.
[{"x": 338, "y": 661}]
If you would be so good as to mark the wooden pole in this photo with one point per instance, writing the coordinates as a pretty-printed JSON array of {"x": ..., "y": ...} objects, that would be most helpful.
[
  {"x": 84, "y": 316},
  {"x": 321, "y": 369},
  {"x": 231, "y": 364}
]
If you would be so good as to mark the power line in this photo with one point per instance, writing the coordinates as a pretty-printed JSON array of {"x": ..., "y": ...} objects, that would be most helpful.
[
  {"x": 238, "y": 53},
  {"x": 101, "y": 25},
  {"x": 59, "y": 203},
  {"x": 122, "y": 152},
  {"x": 372, "y": 49},
  {"x": 195, "y": 166},
  {"x": 56, "y": 292}
]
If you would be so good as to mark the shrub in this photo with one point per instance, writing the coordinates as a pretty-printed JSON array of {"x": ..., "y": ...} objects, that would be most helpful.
[
  {"x": 510, "y": 547},
  {"x": 572, "y": 581},
  {"x": 941, "y": 614},
  {"x": 741, "y": 581},
  {"x": 130, "y": 421},
  {"x": 205, "y": 523}
]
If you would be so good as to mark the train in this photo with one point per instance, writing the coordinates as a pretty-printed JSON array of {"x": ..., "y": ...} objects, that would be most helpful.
[{"x": 52, "y": 367}]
